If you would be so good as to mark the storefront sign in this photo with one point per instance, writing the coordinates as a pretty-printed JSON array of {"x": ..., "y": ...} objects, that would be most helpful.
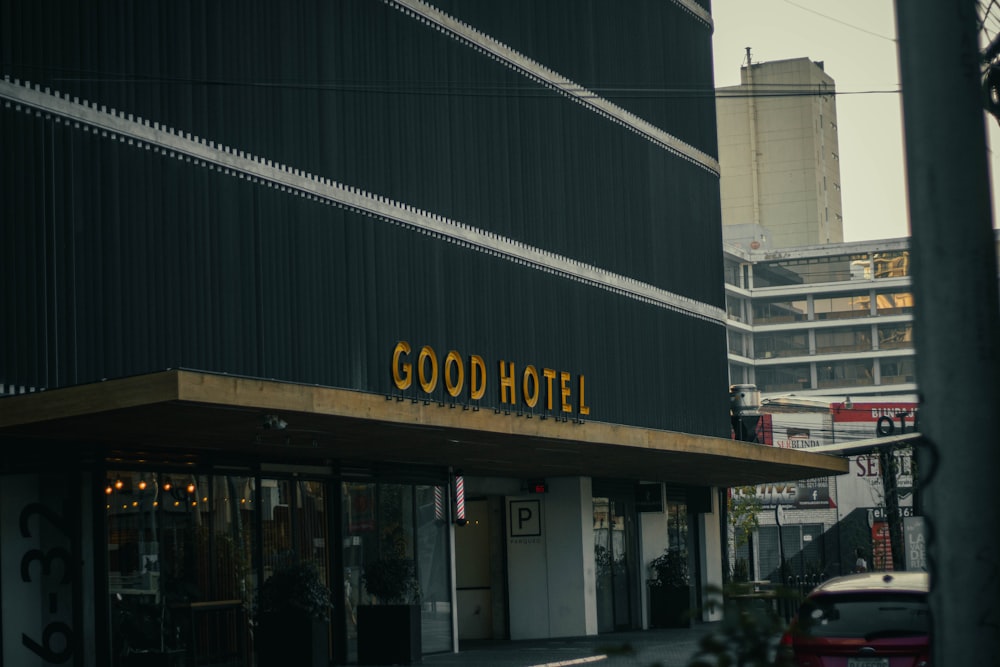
[
  {"x": 803, "y": 494},
  {"x": 557, "y": 390},
  {"x": 913, "y": 534},
  {"x": 881, "y": 547}
]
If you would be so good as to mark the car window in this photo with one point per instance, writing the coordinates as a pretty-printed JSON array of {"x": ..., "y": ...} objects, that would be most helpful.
[{"x": 869, "y": 615}]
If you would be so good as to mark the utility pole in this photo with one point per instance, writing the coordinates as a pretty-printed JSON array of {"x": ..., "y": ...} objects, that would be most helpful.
[{"x": 956, "y": 321}]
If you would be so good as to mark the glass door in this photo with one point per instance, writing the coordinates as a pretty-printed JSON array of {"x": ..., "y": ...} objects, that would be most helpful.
[{"x": 614, "y": 558}]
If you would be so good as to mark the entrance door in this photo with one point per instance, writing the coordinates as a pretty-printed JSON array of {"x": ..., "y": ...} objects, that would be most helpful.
[{"x": 615, "y": 560}]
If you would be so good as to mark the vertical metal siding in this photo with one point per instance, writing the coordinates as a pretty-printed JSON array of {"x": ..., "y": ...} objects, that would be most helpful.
[{"x": 121, "y": 260}]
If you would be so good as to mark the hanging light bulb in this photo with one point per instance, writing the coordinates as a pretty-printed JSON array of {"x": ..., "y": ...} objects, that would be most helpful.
[
  {"x": 142, "y": 485},
  {"x": 119, "y": 484}
]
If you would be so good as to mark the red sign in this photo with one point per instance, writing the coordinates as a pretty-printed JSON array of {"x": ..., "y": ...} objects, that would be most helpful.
[
  {"x": 881, "y": 547},
  {"x": 871, "y": 412}
]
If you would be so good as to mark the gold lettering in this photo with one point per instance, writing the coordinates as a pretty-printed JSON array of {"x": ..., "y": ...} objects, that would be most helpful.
[
  {"x": 530, "y": 398},
  {"x": 454, "y": 360},
  {"x": 477, "y": 377},
  {"x": 507, "y": 382},
  {"x": 565, "y": 391},
  {"x": 549, "y": 375},
  {"x": 404, "y": 379},
  {"x": 532, "y": 384},
  {"x": 427, "y": 353}
]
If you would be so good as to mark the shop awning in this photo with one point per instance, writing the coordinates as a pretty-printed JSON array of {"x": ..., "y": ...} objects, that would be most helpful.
[{"x": 191, "y": 415}]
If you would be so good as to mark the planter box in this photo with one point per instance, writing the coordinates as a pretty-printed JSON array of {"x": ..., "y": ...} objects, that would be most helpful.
[
  {"x": 389, "y": 634},
  {"x": 669, "y": 606},
  {"x": 291, "y": 639}
]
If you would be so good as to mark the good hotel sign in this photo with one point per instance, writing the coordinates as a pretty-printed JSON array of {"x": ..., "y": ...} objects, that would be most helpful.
[{"x": 556, "y": 389}]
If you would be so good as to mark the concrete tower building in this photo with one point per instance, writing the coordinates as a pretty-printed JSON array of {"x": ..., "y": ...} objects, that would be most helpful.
[{"x": 778, "y": 154}]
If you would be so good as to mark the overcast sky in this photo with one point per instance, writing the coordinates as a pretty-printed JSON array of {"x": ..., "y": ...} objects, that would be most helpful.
[{"x": 855, "y": 39}]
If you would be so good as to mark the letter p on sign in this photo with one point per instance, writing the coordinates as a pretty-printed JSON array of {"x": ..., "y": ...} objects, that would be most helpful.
[{"x": 525, "y": 518}]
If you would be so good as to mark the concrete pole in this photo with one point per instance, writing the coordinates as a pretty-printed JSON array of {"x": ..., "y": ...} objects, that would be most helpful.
[{"x": 957, "y": 323}]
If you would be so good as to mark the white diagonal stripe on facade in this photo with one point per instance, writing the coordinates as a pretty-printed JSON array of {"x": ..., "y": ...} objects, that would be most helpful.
[
  {"x": 543, "y": 75},
  {"x": 118, "y": 126}
]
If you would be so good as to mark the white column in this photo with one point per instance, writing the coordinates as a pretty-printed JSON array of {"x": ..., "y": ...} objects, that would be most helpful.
[{"x": 710, "y": 552}]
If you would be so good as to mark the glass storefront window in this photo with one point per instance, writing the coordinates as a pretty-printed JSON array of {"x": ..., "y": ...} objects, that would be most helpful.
[
  {"x": 780, "y": 311},
  {"x": 783, "y": 378},
  {"x": 895, "y": 336},
  {"x": 614, "y": 562},
  {"x": 677, "y": 527},
  {"x": 781, "y": 344},
  {"x": 433, "y": 565},
  {"x": 898, "y": 371},
  {"x": 182, "y": 568},
  {"x": 842, "y": 306},
  {"x": 845, "y": 373},
  {"x": 180, "y": 565},
  {"x": 848, "y": 339},
  {"x": 894, "y": 303},
  {"x": 390, "y": 523}
]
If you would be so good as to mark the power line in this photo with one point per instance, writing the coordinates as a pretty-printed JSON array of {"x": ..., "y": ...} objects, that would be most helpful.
[
  {"x": 843, "y": 23},
  {"x": 461, "y": 89}
]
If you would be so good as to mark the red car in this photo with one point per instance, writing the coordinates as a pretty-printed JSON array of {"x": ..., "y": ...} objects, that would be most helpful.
[{"x": 876, "y": 619}]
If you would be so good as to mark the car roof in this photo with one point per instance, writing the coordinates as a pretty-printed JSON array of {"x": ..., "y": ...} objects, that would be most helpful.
[{"x": 910, "y": 582}]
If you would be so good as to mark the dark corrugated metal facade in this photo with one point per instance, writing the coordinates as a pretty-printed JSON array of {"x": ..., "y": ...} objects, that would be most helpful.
[{"x": 118, "y": 259}]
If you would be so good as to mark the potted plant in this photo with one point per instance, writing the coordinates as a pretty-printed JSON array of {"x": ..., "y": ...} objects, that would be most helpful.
[
  {"x": 293, "y": 620},
  {"x": 389, "y": 628},
  {"x": 739, "y": 578},
  {"x": 669, "y": 590}
]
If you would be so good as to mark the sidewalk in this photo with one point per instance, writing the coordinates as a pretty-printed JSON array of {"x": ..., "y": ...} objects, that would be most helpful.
[{"x": 641, "y": 648}]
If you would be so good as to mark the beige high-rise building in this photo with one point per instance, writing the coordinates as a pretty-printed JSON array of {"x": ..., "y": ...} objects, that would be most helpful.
[{"x": 778, "y": 154}]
